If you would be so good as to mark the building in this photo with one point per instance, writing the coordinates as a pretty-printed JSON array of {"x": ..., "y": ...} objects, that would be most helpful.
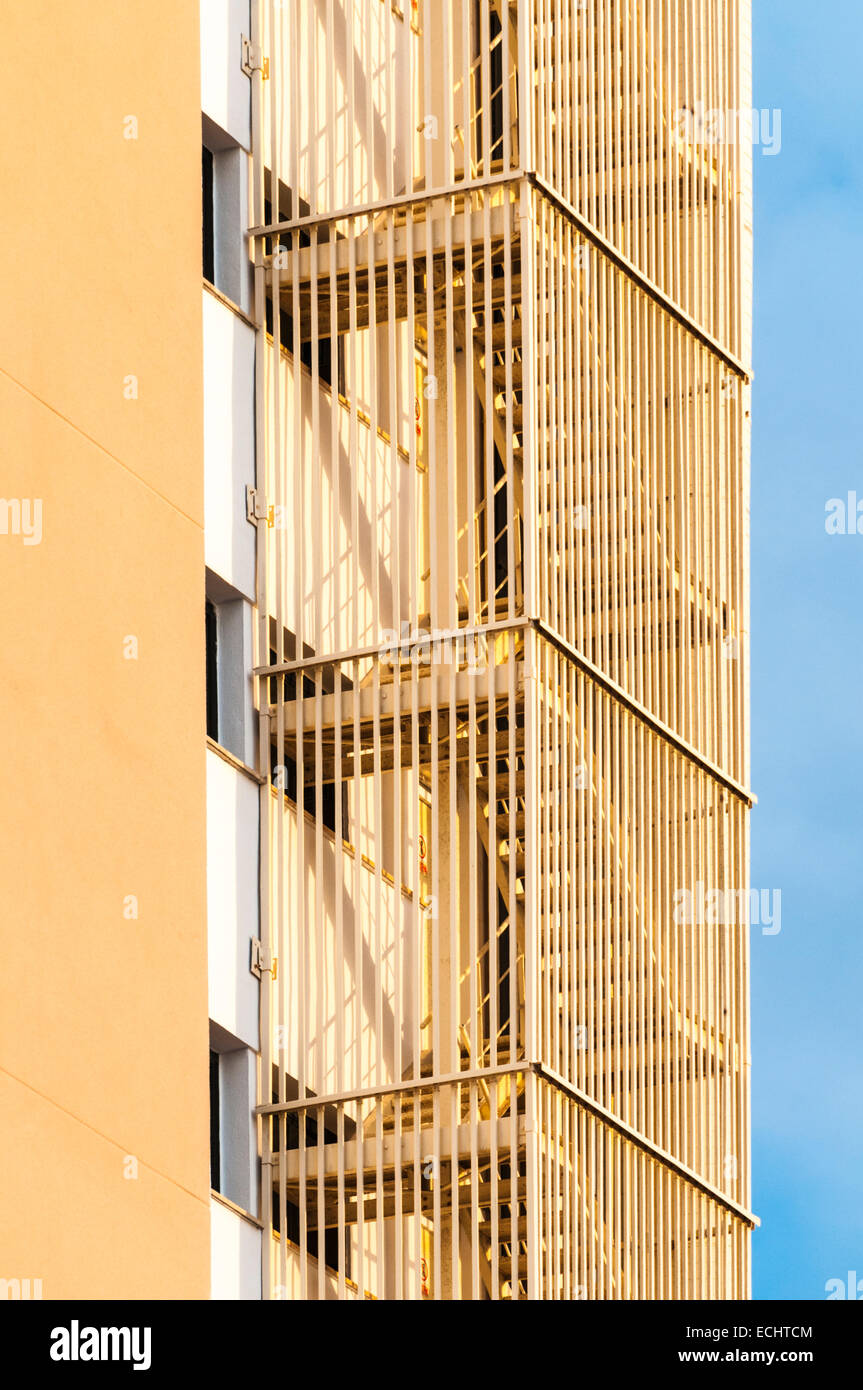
[{"x": 471, "y": 515}]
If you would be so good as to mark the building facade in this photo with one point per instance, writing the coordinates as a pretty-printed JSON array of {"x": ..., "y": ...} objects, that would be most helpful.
[
  {"x": 470, "y": 529},
  {"x": 103, "y": 987}
]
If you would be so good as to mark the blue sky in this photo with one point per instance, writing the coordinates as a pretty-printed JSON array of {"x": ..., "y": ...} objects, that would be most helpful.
[{"x": 807, "y": 651}]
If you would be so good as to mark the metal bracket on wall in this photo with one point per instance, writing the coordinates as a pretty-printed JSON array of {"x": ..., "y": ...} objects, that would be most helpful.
[
  {"x": 252, "y": 59},
  {"x": 262, "y": 961},
  {"x": 256, "y": 507}
]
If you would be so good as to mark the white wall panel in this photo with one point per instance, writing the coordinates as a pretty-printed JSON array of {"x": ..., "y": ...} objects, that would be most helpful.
[
  {"x": 225, "y": 93},
  {"x": 235, "y": 1256},
  {"x": 229, "y": 444},
  {"x": 232, "y": 897}
]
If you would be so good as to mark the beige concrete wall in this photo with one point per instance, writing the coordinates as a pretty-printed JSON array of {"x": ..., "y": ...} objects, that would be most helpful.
[{"x": 103, "y": 1014}]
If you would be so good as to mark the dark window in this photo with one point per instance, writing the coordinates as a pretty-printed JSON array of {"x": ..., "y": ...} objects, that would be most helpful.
[
  {"x": 215, "y": 1155},
  {"x": 496, "y": 85},
  {"x": 331, "y": 373},
  {"x": 334, "y": 811},
  {"x": 494, "y": 58},
  {"x": 287, "y": 1128},
  {"x": 208, "y": 215},
  {"x": 499, "y": 540},
  {"x": 334, "y": 814},
  {"x": 212, "y": 672},
  {"x": 325, "y": 349}
]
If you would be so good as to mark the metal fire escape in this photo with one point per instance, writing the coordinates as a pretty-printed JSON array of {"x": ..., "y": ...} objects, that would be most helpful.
[{"x": 502, "y": 439}]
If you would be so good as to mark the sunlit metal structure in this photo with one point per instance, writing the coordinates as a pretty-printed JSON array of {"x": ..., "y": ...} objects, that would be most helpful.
[{"x": 502, "y": 297}]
